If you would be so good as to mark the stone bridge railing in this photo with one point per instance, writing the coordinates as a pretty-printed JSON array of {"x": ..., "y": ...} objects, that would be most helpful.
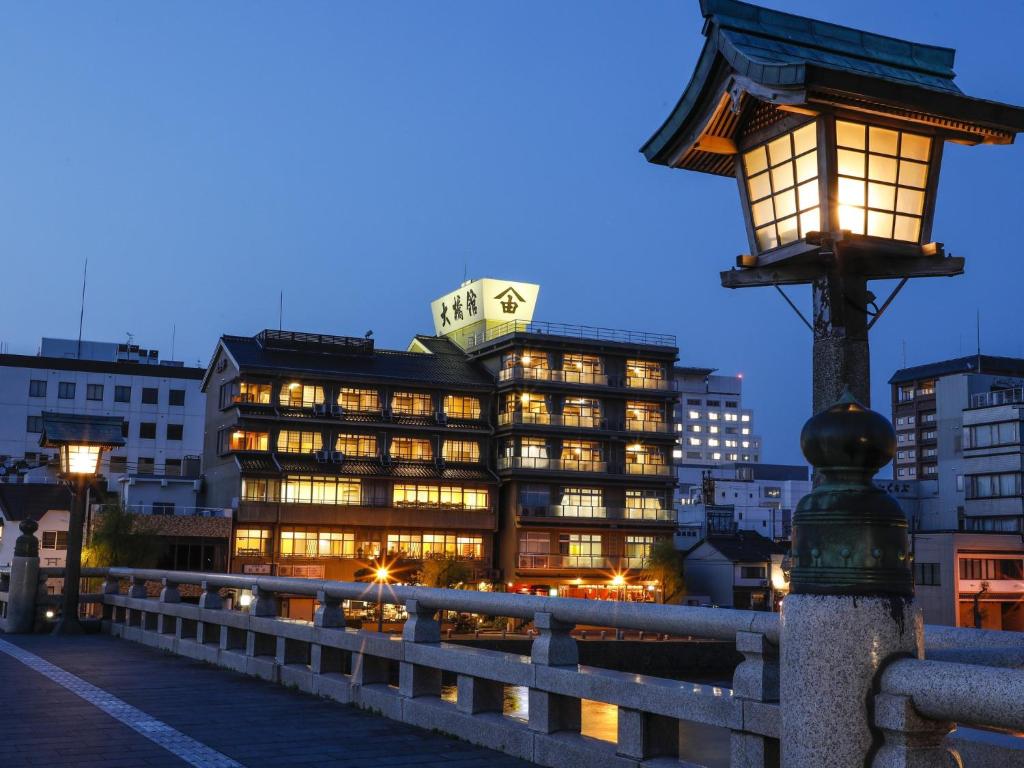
[{"x": 971, "y": 677}]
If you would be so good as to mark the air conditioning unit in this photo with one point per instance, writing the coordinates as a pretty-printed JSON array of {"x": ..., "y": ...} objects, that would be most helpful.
[
  {"x": 386, "y": 460},
  {"x": 337, "y": 411},
  {"x": 320, "y": 409},
  {"x": 337, "y": 457},
  {"x": 322, "y": 457},
  {"x": 386, "y": 414},
  {"x": 442, "y": 417}
]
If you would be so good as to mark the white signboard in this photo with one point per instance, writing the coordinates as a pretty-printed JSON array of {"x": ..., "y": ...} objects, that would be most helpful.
[{"x": 488, "y": 299}]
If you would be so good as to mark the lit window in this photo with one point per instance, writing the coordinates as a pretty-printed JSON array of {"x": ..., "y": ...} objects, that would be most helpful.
[
  {"x": 695, "y": 441},
  {"x": 694, "y": 414},
  {"x": 412, "y": 404},
  {"x": 461, "y": 451},
  {"x": 713, "y": 429},
  {"x": 713, "y": 415},
  {"x": 411, "y": 448},
  {"x": 882, "y": 178},
  {"x": 251, "y": 541},
  {"x": 644, "y": 373},
  {"x": 244, "y": 440},
  {"x": 359, "y": 400},
  {"x": 745, "y": 431},
  {"x": 298, "y": 395},
  {"x": 745, "y": 417},
  {"x": 364, "y": 446},
  {"x": 249, "y": 392},
  {"x": 462, "y": 406},
  {"x": 782, "y": 186},
  {"x": 716, "y": 456},
  {"x": 291, "y": 441},
  {"x": 299, "y": 489}
]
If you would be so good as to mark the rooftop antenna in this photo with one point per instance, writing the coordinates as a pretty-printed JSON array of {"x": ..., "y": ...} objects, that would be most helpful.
[
  {"x": 174, "y": 333},
  {"x": 81, "y": 314},
  {"x": 280, "y": 311},
  {"x": 977, "y": 325},
  {"x": 904, "y": 353}
]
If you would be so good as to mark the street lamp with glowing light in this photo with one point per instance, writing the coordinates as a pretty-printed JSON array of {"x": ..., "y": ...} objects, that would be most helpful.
[{"x": 80, "y": 441}]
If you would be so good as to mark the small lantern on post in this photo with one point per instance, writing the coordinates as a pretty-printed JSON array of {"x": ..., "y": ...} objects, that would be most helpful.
[
  {"x": 835, "y": 138},
  {"x": 80, "y": 441}
]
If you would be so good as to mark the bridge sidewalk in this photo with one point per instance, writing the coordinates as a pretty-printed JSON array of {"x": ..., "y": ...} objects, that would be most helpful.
[{"x": 247, "y": 720}]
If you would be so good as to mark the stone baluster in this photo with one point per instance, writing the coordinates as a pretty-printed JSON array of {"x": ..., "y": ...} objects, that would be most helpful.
[
  {"x": 911, "y": 741},
  {"x": 136, "y": 617},
  {"x": 263, "y": 605},
  {"x": 421, "y": 627},
  {"x": 755, "y": 681},
  {"x": 324, "y": 659},
  {"x": 210, "y": 600},
  {"x": 166, "y": 624},
  {"x": 23, "y": 584},
  {"x": 554, "y": 647},
  {"x": 111, "y": 586}
]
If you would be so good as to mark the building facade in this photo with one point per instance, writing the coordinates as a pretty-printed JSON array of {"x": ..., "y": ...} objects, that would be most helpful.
[
  {"x": 338, "y": 457},
  {"x": 714, "y": 427},
  {"x": 737, "y": 570},
  {"x": 160, "y": 401},
  {"x": 958, "y": 471},
  {"x": 584, "y": 441}
]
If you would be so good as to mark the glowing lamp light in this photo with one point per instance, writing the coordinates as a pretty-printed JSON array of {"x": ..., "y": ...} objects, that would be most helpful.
[
  {"x": 553, "y": 592},
  {"x": 50, "y": 614},
  {"x": 618, "y": 580},
  {"x": 245, "y": 600},
  {"x": 294, "y": 385},
  {"x": 79, "y": 459},
  {"x": 381, "y": 574}
]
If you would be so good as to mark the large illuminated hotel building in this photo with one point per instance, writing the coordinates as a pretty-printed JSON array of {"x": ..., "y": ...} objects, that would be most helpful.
[{"x": 538, "y": 454}]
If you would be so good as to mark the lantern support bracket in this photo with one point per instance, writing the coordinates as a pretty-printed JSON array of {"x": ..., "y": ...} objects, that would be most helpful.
[
  {"x": 794, "y": 307},
  {"x": 885, "y": 304}
]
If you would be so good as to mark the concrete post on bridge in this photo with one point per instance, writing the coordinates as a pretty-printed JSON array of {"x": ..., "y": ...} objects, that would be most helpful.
[
  {"x": 851, "y": 608},
  {"x": 23, "y": 587}
]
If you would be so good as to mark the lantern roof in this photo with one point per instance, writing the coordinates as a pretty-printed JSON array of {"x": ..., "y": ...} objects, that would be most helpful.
[
  {"x": 80, "y": 429},
  {"x": 758, "y": 61}
]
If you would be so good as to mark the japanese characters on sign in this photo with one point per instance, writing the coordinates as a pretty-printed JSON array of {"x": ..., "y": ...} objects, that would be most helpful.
[{"x": 495, "y": 301}]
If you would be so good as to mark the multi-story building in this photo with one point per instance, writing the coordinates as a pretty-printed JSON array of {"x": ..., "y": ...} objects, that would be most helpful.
[
  {"x": 714, "y": 427},
  {"x": 958, "y": 471},
  {"x": 584, "y": 442},
  {"x": 338, "y": 456},
  {"x": 160, "y": 401},
  {"x": 759, "y": 498}
]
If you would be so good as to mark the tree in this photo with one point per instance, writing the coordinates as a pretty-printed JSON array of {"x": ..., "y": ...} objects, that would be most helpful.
[
  {"x": 122, "y": 539},
  {"x": 443, "y": 572},
  {"x": 665, "y": 565}
]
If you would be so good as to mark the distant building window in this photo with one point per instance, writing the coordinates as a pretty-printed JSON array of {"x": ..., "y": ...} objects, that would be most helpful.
[
  {"x": 163, "y": 507},
  {"x": 118, "y": 465},
  {"x": 37, "y": 388},
  {"x": 176, "y": 397},
  {"x": 147, "y": 430},
  {"x": 730, "y": 404},
  {"x": 55, "y": 540},
  {"x": 174, "y": 431},
  {"x": 66, "y": 390},
  {"x": 124, "y": 428},
  {"x": 35, "y": 424},
  {"x": 773, "y": 492},
  {"x": 753, "y": 572},
  {"x": 692, "y": 401},
  {"x": 927, "y": 574},
  {"x": 150, "y": 395},
  {"x": 122, "y": 394},
  {"x": 146, "y": 465},
  {"x": 94, "y": 392},
  {"x": 172, "y": 467}
]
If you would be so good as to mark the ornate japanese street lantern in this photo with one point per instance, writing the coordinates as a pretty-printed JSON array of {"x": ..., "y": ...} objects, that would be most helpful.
[
  {"x": 80, "y": 441},
  {"x": 835, "y": 138}
]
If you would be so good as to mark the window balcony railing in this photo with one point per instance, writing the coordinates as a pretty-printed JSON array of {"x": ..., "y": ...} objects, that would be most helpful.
[
  {"x": 571, "y": 331},
  {"x": 639, "y": 382},
  {"x": 1000, "y": 397},
  {"x": 641, "y": 425},
  {"x": 173, "y": 510},
  {"x": 647, "y": 514},
  {"x": 555, "y": 561},
  {"x": 551, "y": 419},
  {"x": 656, "y": 470},
  {"x": 564, "y": 465},
  {"x": 522, "y": 373}
]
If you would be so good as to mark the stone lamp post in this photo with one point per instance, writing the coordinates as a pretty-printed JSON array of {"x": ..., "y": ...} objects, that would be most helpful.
[{"x": 851, "y": 606}]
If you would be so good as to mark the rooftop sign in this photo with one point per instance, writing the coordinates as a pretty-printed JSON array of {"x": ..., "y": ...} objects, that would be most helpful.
[{"x": 487, "y": 299}]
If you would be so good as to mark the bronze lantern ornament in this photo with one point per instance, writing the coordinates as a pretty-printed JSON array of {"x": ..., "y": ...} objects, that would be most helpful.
[{"x": 834, "y": 136}]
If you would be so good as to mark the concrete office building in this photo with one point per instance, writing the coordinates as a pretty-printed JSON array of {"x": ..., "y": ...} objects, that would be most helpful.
[
  {"x": 714, "y": 428},
  {"x": 160, "y": 401},
  {"x": 958, "y": 474}
]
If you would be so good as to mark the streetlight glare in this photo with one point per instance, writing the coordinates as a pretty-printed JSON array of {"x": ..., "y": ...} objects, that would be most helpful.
[{"x": 382, "y": 574}]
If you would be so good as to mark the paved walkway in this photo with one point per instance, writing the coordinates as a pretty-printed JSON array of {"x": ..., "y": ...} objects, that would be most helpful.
[{"x": 100, "y": 702}]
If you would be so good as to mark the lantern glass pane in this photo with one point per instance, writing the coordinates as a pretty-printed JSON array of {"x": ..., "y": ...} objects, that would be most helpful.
[
  {"x": 759, "y": 186},
  {"x": 913, "y": 174},
  {"x": 785, "y": 204},
  {"x": 883, "y": 140},
  {"x": 907, "y": 228},
  {"x": 849, "y": 134},
  {"x": 882, "y": 168},
  {"x": 896, "y": 175},
  {"x": 755, "y": 161},
  {"x": 851, "y": 163},
  {"x": 910, "y": 201},
  {"x": 780, "y": 211},
  {"x": 82, "y": 459},
  {"x": 805, "y": 139},
  {"x": 882, "y": 196},
  {"x": 780, "y": 150},
  {"x": 879, "y": 224},
  {"x": 851, "y": 218},
  {"x": 915, "y": 147},
  {"x": 808, "y": 194}
]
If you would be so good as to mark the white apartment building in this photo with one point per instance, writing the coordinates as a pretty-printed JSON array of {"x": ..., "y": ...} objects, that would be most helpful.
[
  {"x": 160, "y": 401},
  {"x": 713, "y": 426}
]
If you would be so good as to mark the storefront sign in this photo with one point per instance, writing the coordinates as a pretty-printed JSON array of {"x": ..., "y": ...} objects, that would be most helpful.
[{"x": 496, "y": 301}]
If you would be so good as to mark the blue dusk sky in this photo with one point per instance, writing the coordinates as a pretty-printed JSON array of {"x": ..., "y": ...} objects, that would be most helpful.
[{"x": 362, "y": 156}]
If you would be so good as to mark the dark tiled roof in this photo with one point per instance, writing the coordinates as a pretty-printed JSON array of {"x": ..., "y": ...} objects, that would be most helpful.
[
  {"x": 686, "y": 370},
  {"x": 279, "y": 463},
  {"x": 746, "y": 547},
  {"x": 411, "y": 367},
  {"x": 986, "y": 364},
  {"x": 126, "y": 367},
  {"x": 81, "y": 428},
  {"x": 19, "y": 501},
  {"x": 439, "y": 345}
]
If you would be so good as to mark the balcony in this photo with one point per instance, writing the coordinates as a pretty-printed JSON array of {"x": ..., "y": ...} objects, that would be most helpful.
[
  {"x": 639, "y": 382},
  {"x": 571, "y": 331},
  {"x": 556, "y": 562},
  {"x": 553, "y": 465},
  {"x": 1000, "y": 397},
  {"x": 641, "y": 425},
  {"x": 552, "y": 419},
  {"x": 520, "y": 373},
  {"x": 653, "y": 470},
  {"x": 639, "y": 514}
]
